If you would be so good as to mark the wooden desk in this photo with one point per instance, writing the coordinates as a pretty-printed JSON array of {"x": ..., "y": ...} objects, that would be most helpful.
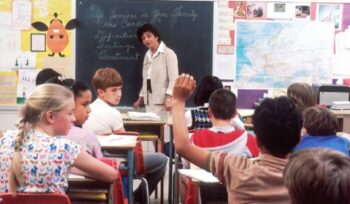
[
  {"x": 87, "y": 190},
  {"x": 344, "y": 120},
  {"x": 150, "y": 130},
  {"x": 119, "y": 146}
]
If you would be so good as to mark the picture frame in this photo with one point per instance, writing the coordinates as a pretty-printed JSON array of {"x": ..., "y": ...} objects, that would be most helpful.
[{"x": 38, "y": 42}]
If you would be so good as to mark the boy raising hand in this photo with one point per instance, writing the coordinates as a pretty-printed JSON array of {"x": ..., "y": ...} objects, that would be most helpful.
[{"x": 277, "y": 124}]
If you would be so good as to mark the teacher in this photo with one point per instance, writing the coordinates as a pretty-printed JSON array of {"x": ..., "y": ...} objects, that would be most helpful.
[{"x": 160, "y": 69}]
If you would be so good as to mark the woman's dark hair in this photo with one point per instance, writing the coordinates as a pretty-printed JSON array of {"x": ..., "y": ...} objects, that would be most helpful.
[
  {"x": 147, "y": 28},
  {"x": 207, "y": 86}
]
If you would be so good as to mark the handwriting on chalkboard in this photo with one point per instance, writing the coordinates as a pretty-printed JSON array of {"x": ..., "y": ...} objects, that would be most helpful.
[{"x": 112, "y": 44}]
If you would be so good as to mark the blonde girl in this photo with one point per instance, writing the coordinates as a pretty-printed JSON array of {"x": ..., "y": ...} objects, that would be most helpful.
[{"x": 32, "y": 159}]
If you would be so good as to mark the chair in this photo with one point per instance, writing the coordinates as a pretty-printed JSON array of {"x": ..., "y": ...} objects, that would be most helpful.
[
  {"x": 140, "y": 168},
  {"x": 34, "y": 198}
]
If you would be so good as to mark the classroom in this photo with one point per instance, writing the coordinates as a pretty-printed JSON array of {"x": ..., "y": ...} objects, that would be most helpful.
[{"x": 256, "y": 49}]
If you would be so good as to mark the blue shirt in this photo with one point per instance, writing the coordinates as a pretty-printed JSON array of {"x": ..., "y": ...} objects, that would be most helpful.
[{"x": 332, "y": 142}]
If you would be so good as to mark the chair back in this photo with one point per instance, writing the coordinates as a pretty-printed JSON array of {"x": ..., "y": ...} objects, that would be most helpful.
[{"x": 34, "y": 198}]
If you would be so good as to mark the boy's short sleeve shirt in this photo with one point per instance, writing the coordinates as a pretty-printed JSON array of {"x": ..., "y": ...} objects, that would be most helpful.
[
  {"x": 103, "y": 118},
  {"x": 250, "y": 180}
]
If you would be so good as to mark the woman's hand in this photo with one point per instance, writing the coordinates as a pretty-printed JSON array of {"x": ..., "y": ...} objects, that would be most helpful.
[
  {"x": 167, "y": 103},
  {"x": 138, "y": 103}
]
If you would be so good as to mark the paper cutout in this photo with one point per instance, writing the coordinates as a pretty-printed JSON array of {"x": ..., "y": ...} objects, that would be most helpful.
[
  {"x": 57, "y": 36},
  {"x": 8, "y": 87},
  {"x": 63, "y": 66},
  {"x": 21, "y": 14},
  {"x": 26, "y": 83}
]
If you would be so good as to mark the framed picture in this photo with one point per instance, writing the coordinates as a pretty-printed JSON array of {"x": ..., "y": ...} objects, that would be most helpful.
[
  {"x": 302, "y": 11},
  {"x": 37, "y": 42},
  {"x": 330, "y": 13},
  {"x": 256, "y": 10},
  {"x": 280, "y": 10}
]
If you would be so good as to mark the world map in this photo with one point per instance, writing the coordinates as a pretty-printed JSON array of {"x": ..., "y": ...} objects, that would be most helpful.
[{"x": 274, "y": 54}]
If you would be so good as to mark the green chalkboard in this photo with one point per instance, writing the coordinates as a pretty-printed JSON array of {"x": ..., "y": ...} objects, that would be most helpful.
[{"x": 107, "y": 37}]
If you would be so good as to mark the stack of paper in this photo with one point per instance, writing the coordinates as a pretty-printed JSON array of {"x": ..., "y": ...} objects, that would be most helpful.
[
  {"x": 200, "y": 175},
  {"x": 340, "y": 105},
  {"x": 116, "y": 140},
  {"x": 143, "y": 116}
]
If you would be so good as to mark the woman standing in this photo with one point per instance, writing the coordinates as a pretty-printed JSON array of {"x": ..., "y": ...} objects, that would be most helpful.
[{"x": 160, "y": 69}]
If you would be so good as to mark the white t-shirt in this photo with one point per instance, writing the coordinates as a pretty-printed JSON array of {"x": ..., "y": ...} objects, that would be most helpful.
[{"x": 103, "y": 118}]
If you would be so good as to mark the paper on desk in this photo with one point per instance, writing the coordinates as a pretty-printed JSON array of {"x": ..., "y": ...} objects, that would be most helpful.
[
  {"x": 75, "y": 176},
  {"x": 200, "y": 175},
  {"x": 143, "y": 116},
  {"x": 116, "y": 140}
]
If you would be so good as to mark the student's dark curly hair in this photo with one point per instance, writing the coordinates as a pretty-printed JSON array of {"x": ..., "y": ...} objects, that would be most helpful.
[
  {"x": 147, "y": 28},
  {"x": 207, "y": 86},
  {"x": 277, "y": 124}
]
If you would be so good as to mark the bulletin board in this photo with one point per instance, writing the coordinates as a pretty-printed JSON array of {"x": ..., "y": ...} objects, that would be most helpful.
[{"x": 24, "y": 49}]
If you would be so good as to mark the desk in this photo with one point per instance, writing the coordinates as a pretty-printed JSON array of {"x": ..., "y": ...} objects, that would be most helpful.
[
  {"x": 87, "y": 190},
  {"x": 344, "y": 119},
  {"x": 147, "y": 129},
  {"x": 119, "y": 145}
]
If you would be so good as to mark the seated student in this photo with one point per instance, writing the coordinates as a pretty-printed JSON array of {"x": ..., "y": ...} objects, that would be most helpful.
[
  {"x": 198, "y": 118},
  {"x": 33, "y": 159},
  {"x": 302, "y": 95},
  {"x": 104, "y": 118},
  {"x": 84, "y": 137},
  {"x": 321, "y": 128},
  {"x": 318, "y": 176},
  {"x": 277, "y": 124},
  {"x": 82, "y": 96},
  {"x": 222, "y": 136}
]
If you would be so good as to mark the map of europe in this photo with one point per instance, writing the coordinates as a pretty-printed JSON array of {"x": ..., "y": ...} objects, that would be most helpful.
[{"x": 274, "y": 54}]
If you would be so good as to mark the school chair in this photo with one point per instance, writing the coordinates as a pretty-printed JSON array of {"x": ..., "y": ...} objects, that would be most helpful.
[
  {"x": 140, "y": 170},
  {"x": 34, "y": 198}
]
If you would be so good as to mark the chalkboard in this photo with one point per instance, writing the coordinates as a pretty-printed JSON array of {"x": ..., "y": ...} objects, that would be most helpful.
[{"x": 107, "y": 37}]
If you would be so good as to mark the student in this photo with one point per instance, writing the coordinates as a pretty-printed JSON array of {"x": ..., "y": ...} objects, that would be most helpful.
[
  {"x": 277, "y": 124},
  {"x": 105, "y": 119},
  {"x": 33, "y": 159},
  {"x": 84, "y": 137},
  {"x": 222, "y": 136},
  {"x": 321, "y": 131},
  {"x": 198, "y": 118},
  {"x": 159, "y": 71},
  {"x": 46, "y": 74},
  {"x": 318, "y": 176},
  {"x": 82, "y": 97},
  {"x": 302, "y": 95}
]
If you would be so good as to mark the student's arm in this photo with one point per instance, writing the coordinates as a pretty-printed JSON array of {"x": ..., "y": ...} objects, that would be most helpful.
[
  {"x": 94, "y": 168},
  {"x": 183, "y": 88}
]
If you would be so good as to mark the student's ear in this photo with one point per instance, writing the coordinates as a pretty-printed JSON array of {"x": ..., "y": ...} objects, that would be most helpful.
[
  {"x": 49, "y": 117},
  {"x": 210, "y": 112},
  {"x": 100, "y": 92}
]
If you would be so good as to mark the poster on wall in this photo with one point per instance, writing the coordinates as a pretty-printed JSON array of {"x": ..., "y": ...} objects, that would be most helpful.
[{"x": 330, "y": 13}]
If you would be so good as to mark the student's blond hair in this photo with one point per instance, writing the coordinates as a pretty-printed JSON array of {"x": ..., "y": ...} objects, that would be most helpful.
[
  {"x": 105, "y": 78},
  {"x": 46, "y": 97}
]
